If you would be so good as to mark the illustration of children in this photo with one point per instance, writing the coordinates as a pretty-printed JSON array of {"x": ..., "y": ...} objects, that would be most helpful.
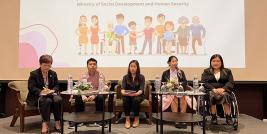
[
  {"x": 148, "y": 33},
  {"x": 168, "y": 36},
  {"x": 120, "y": 31},
  {"x": 183, "y": 34},
  {"x": 198, "y": 33},
  {"x": 82, "y": 31},
  {"x": 94, "y": 31},
  {"x": 110, "y": 38},
  {"x": 132, "y": 37},
  {"x": 159, "y": 31}
]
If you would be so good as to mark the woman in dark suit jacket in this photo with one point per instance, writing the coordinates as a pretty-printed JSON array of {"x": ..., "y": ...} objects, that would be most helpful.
[
  {"x": 219, "y": 83},
  {"x": 41, "y": 84},
  {"x": 178, "y": 75}
]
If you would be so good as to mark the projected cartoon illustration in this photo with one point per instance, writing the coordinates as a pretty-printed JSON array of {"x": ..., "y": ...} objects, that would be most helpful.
[
  {"x": 110, "y": 41},
  {"x": 117, "y": 31},
  {"x": 169, "y": 37},
  {"x": 94, "y": 31},
  {"x": 159, "y": 31},
  {"x": 148, "y": 34},
  {"x": 132, "y": 37},
  {"x": 183, "y": 34},
  {"x": 34, "y": 41},
  {"x": 82, "y": 32},
  {"x": 162, "y": 37},
  {"x": 120, "y": 30},
  {"x": 198, "y": 33}
]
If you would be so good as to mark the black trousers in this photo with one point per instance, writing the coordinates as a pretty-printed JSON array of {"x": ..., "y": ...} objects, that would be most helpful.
[
  {"x": 50, "y": 103},
  {"x": 80, "y": 107},
  {"x": 132, "y": 103}
]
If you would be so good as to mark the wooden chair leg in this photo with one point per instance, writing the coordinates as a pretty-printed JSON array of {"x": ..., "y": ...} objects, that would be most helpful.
[
  {"x": 114, "y": 111},
  {"x": 150, "y": 118},
  {"x": 147, "y": 115},
  {"x": 116, "y": 116},
  {"x": 14, "y": 119},
  {"x": 21, "y": 121},
  {"x": 157, "y": 125},
  {"x": 119, "y": 115}
]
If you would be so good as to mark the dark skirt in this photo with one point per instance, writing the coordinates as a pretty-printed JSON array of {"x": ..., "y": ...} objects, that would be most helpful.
[{"x": 220, "y": 99}]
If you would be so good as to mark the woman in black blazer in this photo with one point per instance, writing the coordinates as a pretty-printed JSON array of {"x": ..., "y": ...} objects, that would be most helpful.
[
  {"x": 178, "y": 75},
  {"x": 219, "y": 83},
  {"x": 171, "y": 101},
  {"x": 42, "y": 85}
]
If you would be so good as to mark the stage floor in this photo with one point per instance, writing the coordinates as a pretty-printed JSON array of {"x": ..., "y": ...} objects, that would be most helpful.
[{"x": 247, "y": 125}]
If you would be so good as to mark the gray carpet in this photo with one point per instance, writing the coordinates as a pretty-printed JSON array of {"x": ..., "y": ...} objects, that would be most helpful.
[{"x": 247, "y": 125}]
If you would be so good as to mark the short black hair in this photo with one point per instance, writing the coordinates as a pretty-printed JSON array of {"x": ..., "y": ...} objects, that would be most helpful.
[
  {"x": 46, "y": 59},
  {"x": 91, "y": 59}
]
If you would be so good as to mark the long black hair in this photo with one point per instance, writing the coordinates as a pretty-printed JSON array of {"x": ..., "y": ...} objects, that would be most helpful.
[
  {"x": 221, "y": 59},
  {"x": 138, "y": 73},
  {"x": 170, "y": 59},
  {"x": 178, "y": 69}
]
